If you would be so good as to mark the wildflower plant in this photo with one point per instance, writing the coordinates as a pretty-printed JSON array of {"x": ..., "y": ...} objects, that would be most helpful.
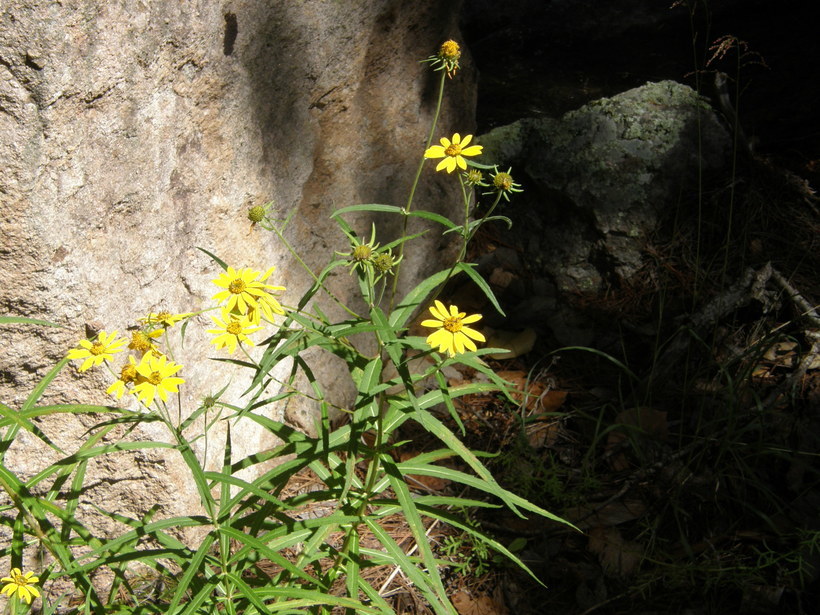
[{"x": 316, "y": 564}]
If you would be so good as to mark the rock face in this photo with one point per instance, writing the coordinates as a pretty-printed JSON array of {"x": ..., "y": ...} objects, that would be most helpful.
[
  {"x": 133, "y": 132},
  {"x": 605, "y": 175},
  {"x": 612, "y": 166}
]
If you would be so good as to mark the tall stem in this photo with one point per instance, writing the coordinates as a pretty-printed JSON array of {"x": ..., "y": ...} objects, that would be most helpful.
[
  {"x": 316, "y": 279},
  {"x": 409, "y": 206}
]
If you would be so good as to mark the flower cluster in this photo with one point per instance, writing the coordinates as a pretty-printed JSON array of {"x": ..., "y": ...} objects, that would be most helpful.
[
  {"x": 148, "y": 373},
  {"x": 21, "y": 585},
  {"x": 245, "y": 295},
  {"x": 366, "y": 256},
  {"x": 145, "y": 375},
  {"x": 245, "y": 299}
]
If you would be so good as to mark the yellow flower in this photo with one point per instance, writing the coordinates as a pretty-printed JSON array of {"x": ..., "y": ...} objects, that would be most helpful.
[
  {"x": 449, "y": 50},
  {"x": 155, "y": 376},
  {"x": 447, "y": 58},
  {"x": 452, "y": 336},
  {"x": 247, "y": 296},
  {"x": 453, "y": 152},
  {"x": 20, "y": 584},
  {"x": 143, "y": 342},
  {"x": 164, "y": 318},
  {"x": 96, "y": 352},
  {"x": 232, "y": 329},
  {"x": 128, "y": 374}
]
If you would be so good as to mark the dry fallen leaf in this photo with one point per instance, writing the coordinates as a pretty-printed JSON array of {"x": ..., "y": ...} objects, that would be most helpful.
[
  {"x": 516, "y": 342},
  {"x": 483, "y": 605},
  {"x": 542, "y": 432},
  {"x": 642, "y": 422},
  {"x": 533, "y": 394},
  {"x": 618, "y": 557},
  {"x": 613, "y": 513}
]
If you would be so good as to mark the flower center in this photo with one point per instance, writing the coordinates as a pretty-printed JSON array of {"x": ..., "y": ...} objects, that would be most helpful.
[
  {"x": 237, "y": 287},
  {"x": 383, "y": 263},
  {"x": 140, "y": 341},
  {"x": 155, "y": 378},
  {"x": 97, "y": 349},
  {"x": 454, "y": 149},
  {"x": 235, "y": 328},
  {"x": 163, "y": 316},
  {"x": 256, "y": 214},
  {"x": 503, "y": 181},
  {"x": 450, "y": 50},
  {"x": 474, "y": 177},
  {"x": 362, "y": 252},
  {"x": 19, "y": 579},
  {"x": 453, "y": 325},
  {"x": 128, "y": 373}
]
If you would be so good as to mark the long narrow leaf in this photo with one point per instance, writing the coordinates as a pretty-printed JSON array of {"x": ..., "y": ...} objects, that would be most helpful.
[{"x": 7, "y": 320}]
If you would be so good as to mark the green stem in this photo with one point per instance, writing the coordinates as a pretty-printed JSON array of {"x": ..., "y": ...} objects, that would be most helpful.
[
  {"x": 304, "y": 266},
  {"x": 409, "y": 206},
  {"x": 468, "y": 236}
]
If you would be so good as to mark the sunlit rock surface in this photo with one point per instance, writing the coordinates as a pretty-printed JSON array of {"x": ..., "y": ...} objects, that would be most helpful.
[{"x": 133, "y": 132}]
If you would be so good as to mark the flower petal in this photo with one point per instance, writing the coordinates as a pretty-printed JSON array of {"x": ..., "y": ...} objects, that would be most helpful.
[
  {"x": 435, "y": 151},
  {"x": 473, "y": 150},
  {"x": 439, "y": 310},
  {"x": 473, "y": 334}
]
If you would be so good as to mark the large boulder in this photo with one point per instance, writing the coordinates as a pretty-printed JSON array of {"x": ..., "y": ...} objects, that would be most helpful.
[
  {"x": 602, "y": 177},
  {"x": 613, "y": 167},
  {"x": 133, "y": 132}
]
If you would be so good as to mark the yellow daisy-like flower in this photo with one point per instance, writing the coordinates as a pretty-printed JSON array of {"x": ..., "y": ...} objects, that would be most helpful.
[
  {"x": 128, "y": 375},
  {"x": 20, "y": 584},
  {"x": 163, "y": 318},
  {"x": 232, "y": 330},
  {"x": 453, "y": 152},
  {"x": 452, "y": 336},
  {"x": 143, "y": 342},
  {"x": 246, "y": 296},
  {"x": 98, "y": 351},
  {"x": 155, "y": 375}
]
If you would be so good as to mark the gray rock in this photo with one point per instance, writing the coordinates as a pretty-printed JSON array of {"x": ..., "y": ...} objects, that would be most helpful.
[{"x": 607, "y": 173}]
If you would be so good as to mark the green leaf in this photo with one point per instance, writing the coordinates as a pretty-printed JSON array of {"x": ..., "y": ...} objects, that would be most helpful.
[
  {"x": 469, "y": 269},
  {"x": 422, "y": 581},
  {"x": 430, "y": 584},
  {"x": 215, "y": 258},
  {"x": 371, "y": 207},
  {"x": 4, "y": 320},
  {"x": 251, "y": 543},
  {"x": 192, "y": 568},
  {"x": 410, "y": 303},
  {"x": 41, "y": 387}
]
